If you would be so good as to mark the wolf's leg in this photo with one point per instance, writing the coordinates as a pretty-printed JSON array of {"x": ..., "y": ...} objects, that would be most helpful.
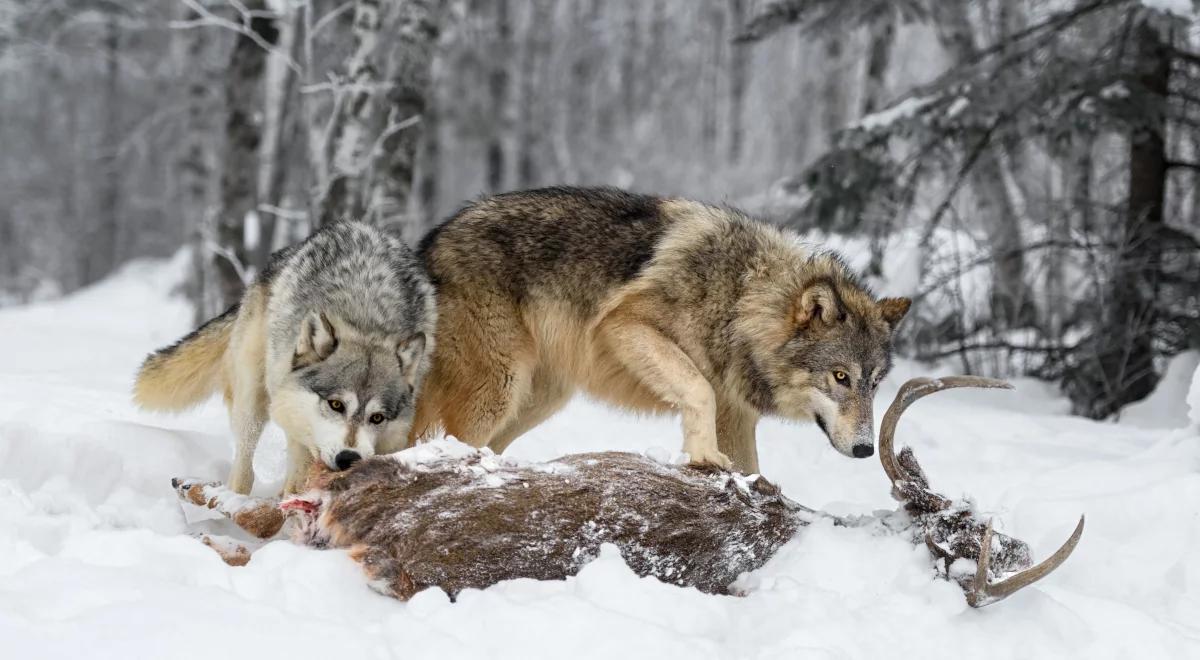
[
  {"x": 246, "y": 395},
  {"x": 241, "y": 474},
  {"x": 482, "y": 371},
  {"x": 299, "y": 461},
  {"x": 547, "y": 395},
  {"x": 666, "y": 370},
  {"x": 735, "y": 435},
  {"x": 247, "y": 416},
  {"x": 484, "y": 408}
]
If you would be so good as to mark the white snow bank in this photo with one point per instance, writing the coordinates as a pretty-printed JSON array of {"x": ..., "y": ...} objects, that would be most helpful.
[
  {"x": 902, "y": 110},
  {"x": 1182, "y": 8},
  {"x": 96, "y": 560},
  {"x": 1167, "y": 405},
  {"x": 1194, "y": 398}
]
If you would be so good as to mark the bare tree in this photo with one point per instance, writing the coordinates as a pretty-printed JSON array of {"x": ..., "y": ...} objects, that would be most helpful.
[
  {"x": 243, "y": 88},
  {"x": 1012, "y": 299},
  {"x": 373, "y": 145}
]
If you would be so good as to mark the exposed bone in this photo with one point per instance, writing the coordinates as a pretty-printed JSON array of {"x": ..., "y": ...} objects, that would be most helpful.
[
  {"x": 261, "y": 517},
  {"x": 468, "y": 519}
]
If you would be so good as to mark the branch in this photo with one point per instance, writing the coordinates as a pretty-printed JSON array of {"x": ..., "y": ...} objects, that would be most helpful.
[
  {"x": 209, "y": 19},
  {"x": 994, "y": 345},
  {"x": 1182, "y": 164}
]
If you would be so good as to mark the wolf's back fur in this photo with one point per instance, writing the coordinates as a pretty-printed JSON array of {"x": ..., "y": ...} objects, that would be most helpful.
[{"x": 187, "y": 372}]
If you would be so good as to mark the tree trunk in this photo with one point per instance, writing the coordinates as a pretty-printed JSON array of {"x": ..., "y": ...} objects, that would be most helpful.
[
  {"x": 279, "y": 121},
  {"x": 879, "y": 55},
  {"x": 431, "y": 157},
  {"x": 101, "y": 250},
  {"x": 739, "y": 72},
  {"x": 361, "y": 117},
  {"x": 1011, "y": 297},
  {"x": 498, "y": 92},
  {"x": 531, "y": 147},
  {"x": 415, "y": 24},
  {"x": 1118, "y": 367},
  {"x": 239, "y": 173},
  {"x": 193, "y": 165},
  {"x": 379, "y": 128},
  {"x": 879, "y": 52}
]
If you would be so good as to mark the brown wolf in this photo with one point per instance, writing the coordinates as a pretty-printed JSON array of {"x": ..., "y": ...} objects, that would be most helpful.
[{"x": 651, "y": 304}]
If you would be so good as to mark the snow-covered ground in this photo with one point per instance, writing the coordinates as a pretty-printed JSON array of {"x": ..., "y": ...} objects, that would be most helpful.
[{"x": 96, "y": 561}]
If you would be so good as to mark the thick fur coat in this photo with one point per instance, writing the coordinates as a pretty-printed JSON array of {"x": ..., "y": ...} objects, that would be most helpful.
[
  {"x": 653, "y": 305},
  {"x": 331, "y": 341}
]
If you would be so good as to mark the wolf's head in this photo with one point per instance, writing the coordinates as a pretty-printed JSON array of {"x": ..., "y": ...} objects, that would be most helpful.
[
  {"x": 349, "y": 396},
  {"x": 823, "y": 361}
]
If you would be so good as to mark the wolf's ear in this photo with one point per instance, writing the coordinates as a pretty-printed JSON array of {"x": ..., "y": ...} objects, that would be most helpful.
[
  {"x": 894, "y": 309},
  {"x": 410, "y": 351},
  {"x": 816, "y": 303},
  {"x": 317, "y": 340}
]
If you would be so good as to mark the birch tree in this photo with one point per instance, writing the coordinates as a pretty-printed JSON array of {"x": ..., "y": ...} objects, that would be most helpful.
[
  {"x": 243, "y": 90},
  {"x": 374, "y": 138}
]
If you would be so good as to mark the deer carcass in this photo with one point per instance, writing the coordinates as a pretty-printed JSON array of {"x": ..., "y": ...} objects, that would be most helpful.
[{"x": 449, "y": 516}]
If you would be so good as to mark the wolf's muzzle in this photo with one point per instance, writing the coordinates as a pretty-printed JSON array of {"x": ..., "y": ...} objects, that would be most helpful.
[
  {"x": 862, "y": 451},
  {"x": 345, "y": 458}
]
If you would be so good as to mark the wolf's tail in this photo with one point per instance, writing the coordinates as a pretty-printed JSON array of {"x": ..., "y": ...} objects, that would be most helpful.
[{"x": 185, "y": 373}]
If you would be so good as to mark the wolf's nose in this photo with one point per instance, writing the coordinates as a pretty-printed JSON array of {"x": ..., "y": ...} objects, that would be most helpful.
[
  {"x": 345, "y": 458},
  {"x": 859, "y": 451}
]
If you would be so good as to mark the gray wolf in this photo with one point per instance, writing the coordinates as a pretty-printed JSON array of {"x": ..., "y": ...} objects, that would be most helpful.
[
  {"x": 651, "y": 304},
  {"x": 330, "y": 341}
]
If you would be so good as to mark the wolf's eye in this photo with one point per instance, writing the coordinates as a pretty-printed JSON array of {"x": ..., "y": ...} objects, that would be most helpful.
[
  {"x": 377, "y": 418},
  {"x": 337, "y": 405},
  {"x": 841, "y": 377}
]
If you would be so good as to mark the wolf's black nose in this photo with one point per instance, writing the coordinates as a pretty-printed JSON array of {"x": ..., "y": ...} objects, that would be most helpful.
[
  {"x": 859, "y": 451},
  {"x": 345, "y": 458}
]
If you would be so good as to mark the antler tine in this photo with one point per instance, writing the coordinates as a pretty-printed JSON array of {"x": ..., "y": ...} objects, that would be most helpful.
[
  {"x": 982, "y": 593},
  {"x": 909, "y": 392}
]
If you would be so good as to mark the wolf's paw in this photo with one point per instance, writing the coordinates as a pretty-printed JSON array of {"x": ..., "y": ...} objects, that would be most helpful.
[{"x": 712, "y": 457}]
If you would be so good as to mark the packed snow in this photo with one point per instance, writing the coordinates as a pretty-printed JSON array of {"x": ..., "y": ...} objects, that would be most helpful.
[
  {"x": 1193, "y": 399},
  {"x": 97, "y": 558},
  {"x": 1167, "y": 405}
]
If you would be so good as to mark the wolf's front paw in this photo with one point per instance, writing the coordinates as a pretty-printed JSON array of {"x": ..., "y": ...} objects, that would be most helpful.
[{"x": 708, "y": 456}]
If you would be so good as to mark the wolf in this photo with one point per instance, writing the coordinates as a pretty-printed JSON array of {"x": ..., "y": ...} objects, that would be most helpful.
[
  {"x": 330, "y": 341},
  {"x": 654, "y": 305}
]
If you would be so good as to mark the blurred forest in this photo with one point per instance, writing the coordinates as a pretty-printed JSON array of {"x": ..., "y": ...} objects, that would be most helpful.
[{"x": 1027, "y": 170}]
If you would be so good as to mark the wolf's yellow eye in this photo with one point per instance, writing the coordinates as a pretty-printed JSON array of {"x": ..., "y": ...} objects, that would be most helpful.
[
  {"x": 841, "y": 377},
  {"x": 337, "y": 405},
  {"x": 376, "y": 418}
]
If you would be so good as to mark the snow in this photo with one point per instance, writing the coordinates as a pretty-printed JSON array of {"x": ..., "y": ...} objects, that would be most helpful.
[
  {"x": 97, "y": 561},
  {"x": 1182, "y": 8},
  {"x": 888, "y": 116},
  {"x": 1167, "y": 405},
  {"x": 1193, "y": 399}
]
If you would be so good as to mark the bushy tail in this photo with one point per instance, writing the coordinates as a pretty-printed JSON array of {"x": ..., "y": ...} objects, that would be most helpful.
[{"x": 185, "y": 373}]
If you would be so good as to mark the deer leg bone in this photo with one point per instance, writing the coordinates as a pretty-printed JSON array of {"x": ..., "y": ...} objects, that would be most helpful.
[{"x": 258, "y": 516}]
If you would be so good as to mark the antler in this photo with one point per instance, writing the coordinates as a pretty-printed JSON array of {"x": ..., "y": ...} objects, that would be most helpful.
[
  {"x": 984, "y": 592},
  {"x": 940, "y": 519},
  {"x": 909, "y": 392}
]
